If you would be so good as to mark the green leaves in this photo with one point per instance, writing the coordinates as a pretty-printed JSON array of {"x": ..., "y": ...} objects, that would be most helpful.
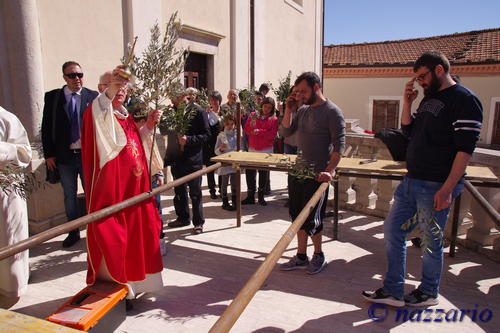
[
  {"x": 283, "y": 90},
  {"x": 178, "y": 119},
  {"x": 298, "y": 169},
  {"x": 431, "y": 231},
  {"x": 247, "y": 99},
  {"x": 159, "y": 67},
  {"x": 202, "y": 98},
  {"x": 14, "y": 179}
]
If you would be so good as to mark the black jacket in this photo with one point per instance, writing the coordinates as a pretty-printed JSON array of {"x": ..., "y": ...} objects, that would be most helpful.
[
  {"x": 209, "y": 146},
  {"x": 56, "y": 136}
]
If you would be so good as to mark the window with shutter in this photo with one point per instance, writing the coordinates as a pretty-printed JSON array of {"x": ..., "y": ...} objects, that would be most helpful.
[
  {"x": 495, "y": 138},
  {"x": 385, "y": 114}
]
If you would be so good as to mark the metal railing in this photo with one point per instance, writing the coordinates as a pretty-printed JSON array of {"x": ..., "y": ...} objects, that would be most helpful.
[
  {"x": 234, "y": 310},
  {"x": 44, "y": 236}
]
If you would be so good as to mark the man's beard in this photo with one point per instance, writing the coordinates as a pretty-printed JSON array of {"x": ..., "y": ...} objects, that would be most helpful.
[
  {"x": 433, "y": 87},
  {"x": 311, "y": 100}
]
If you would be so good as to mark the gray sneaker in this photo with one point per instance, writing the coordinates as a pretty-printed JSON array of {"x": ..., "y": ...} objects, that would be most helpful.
[
  {"x": 316, "y": 264},
  {"x": 295, "y": 263}
]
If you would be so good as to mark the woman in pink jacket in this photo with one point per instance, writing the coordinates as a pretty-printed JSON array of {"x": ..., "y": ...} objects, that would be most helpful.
[{"x": 261, "y": 130}]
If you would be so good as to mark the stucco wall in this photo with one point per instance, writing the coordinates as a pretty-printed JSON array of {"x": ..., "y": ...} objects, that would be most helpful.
[
  {"x": 353, "y": 96},
  {"x": 288, "y": 40},
  {"x": 89, "y": 32}
]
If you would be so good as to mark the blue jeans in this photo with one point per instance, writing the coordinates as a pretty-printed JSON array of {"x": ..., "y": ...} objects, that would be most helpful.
[
  {"x": 69, "y": 172},
  {"x": 414, "y": 197}
]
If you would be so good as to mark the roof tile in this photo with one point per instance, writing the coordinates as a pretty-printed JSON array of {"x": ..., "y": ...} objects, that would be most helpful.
[{"x": 482, "y": 46}]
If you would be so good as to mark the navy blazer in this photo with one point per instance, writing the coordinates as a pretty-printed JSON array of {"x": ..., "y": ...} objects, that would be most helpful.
[{"x": 56, "y": 129}]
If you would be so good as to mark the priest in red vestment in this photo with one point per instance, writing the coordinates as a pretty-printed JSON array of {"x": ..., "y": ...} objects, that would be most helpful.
[{"x": 122, "y": 247}]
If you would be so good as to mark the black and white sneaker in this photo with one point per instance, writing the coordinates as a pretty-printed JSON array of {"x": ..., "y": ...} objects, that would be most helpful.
[
  {"x": 380, "y": 296},
  {"x": 419, "y": 299}
]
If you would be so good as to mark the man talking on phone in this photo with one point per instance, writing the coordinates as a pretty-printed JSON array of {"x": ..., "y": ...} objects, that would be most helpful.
[{"x": 442, "y": 137}]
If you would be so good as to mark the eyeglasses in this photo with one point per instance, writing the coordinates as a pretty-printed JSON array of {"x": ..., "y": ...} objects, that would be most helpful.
[
  {"x": 74, "y": 75},
  {"x": 421, "y": 77}
]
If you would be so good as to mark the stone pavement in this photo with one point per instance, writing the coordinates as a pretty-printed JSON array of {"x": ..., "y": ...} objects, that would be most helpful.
[{"x": 204, "y": 273}]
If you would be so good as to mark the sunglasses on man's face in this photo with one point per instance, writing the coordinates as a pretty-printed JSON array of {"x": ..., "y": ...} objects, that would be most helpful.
[{"x": 74, "y": 75}]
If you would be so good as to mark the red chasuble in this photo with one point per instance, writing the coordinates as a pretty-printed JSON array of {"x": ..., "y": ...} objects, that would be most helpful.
[{"x": 128, "y": 241}]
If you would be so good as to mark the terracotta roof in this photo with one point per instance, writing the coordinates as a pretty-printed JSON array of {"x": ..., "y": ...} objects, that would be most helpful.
[{"x": 473, "y": 47}]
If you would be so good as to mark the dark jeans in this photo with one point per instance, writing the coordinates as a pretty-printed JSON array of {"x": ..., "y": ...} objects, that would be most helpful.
[
  {"x": 69, "y": 172},
  {"x": 181, "y": 203},
  {"x": 211, "y": 182},
  {"x": 289, "y": 149},
  {"x": 251, "y": 180},
  {"x": 155, "y": 184},
  {"x": 224, "y": 181}
]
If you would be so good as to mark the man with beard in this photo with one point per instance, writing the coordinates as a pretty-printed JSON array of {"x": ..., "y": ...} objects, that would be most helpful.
[
  {"x": 320, "y": 129},
  {"x": 443, "y": 134}
]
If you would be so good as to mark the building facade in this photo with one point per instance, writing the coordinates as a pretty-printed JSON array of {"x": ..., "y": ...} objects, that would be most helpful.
[
  {"x": 232, "y": 44},
  {"x": 367, "y": 80}
]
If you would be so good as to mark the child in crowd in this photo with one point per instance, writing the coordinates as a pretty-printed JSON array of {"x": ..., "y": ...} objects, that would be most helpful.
[{"x": 226, "y": 142}]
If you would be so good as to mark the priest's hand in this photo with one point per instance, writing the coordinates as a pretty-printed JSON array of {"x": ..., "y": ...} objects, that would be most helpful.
[
  {"x": 153, "y": 119},
  {"x": 117, "y": 81}
]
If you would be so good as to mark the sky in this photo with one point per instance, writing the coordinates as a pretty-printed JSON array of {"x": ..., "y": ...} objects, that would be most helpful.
[{"x": 359, "y": 21}]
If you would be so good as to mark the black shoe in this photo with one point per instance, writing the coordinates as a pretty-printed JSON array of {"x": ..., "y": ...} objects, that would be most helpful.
[
  {"x": 178, "y": 224},
  {"x": 262, "y": 202},
  {"x": 380, "y": 296},
  {"x": 226, "y": 205},
  {"x": 128, "y": 305},
  {"x": 73, "y": 237},
  {"x": 250, "y": 200},
  {"x": 213, "y": 196}
]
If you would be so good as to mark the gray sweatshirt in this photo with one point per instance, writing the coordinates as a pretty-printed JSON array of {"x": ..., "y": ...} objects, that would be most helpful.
[{"x": 320, "y": 130}]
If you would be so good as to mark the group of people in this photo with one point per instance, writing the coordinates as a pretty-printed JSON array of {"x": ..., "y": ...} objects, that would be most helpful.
[{"x": 91, "y": 135}]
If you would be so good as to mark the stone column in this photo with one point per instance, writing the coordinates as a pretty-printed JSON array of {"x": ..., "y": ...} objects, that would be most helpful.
[
  {"x": 483, "y": 230},
  {"x": 384, "y": 190},
  {"x": 365, "y": 198},
  {"x": 24, "y": 53},
  {"x": 346, "y": 193}
]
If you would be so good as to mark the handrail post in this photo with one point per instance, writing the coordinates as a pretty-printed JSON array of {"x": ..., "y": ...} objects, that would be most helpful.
[
  {"x": 336, "y": 207},
  {"x": 454, "y": 227}
]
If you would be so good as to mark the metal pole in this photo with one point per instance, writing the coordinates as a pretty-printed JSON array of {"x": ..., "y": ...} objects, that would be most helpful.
[
  {"x": 454, "y": 226},
  {"x": 234, "y": 310},
  {"x": 238, "y": 169},
  {"x": 483, "y": 203},
  {"x": 32, "y": 241},
  {"x": 336, "y": 207}
]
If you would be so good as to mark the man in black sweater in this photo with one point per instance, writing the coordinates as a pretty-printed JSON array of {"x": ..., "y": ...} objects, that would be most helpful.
[
  {"x": 443, "y": 134},
  {"x": 187, "y": 161}
]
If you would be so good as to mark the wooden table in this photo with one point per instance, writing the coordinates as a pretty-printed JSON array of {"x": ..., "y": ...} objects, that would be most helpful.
[
  {"x": 13, "y": 322},
  {"x": 348, "y": 167}
]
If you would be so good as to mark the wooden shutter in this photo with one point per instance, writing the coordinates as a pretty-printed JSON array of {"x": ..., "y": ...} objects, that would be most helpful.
[
  {"x": 385, "y": 114},
  {"x": 495, "y": 138}
]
